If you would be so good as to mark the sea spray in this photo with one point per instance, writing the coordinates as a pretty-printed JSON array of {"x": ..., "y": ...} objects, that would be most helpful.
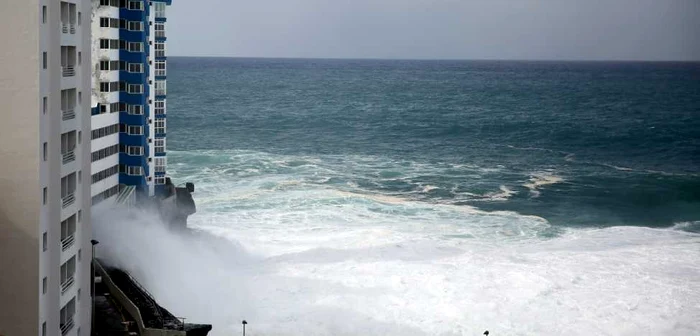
[{"x": 194, "y": 275}]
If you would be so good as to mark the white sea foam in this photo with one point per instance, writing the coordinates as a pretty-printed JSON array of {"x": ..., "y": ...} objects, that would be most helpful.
[
  {"x": 503, "y": 194},
  {"x": 540, "y": 180},
  {"x": 308, "y": 259},
  {"x": 387, "y": 275}
]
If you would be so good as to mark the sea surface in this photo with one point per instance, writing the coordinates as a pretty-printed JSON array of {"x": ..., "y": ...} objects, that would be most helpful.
[{"x": 382, "y": 197}]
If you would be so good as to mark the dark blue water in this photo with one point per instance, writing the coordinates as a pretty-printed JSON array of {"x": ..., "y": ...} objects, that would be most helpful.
[{"x": 579, "y": 144}]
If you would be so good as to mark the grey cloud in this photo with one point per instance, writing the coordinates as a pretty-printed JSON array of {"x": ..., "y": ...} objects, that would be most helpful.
[{"x": 438, "y": 29}]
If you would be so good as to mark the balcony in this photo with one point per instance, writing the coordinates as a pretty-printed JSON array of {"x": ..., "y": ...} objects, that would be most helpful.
[
  {"x": 68, "y": 157},
  {"x": 160, "y": 33},
  {"x": 160, "y": 53},
  {"x": 67, "y": 326},
  {"x": 68, "y": 200},
  {"x": 68, "y": 114},
  {"x": 67, "y": 242},
  {"x": 66, "y": 285},
  {"x": 160, "y": 72},
  {"x": 68, "y": 71}
]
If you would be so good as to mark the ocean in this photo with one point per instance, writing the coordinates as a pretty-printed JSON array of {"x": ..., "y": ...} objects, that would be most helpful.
[{"x": 382, "y": 197}]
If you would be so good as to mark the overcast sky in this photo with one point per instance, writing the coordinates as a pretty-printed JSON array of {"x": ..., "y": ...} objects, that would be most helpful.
[{"x": 437, "y": 29}]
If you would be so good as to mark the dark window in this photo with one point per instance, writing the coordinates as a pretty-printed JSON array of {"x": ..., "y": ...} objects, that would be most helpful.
[{"x": 104, "y": 22}]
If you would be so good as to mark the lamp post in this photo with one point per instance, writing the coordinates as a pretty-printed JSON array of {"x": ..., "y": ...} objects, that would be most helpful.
[
  {"x": 92, "y": 327},
  {"x": 244, "y": 323}
]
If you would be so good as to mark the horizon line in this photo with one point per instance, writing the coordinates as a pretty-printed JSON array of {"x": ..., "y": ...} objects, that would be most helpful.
[{"x": 447, "y": 59}]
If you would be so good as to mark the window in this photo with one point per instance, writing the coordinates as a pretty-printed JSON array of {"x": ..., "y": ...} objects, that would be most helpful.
[
  {"x": 160, "y": 30},
  {"x": 160, "y": 49},
  {"x": 66, "y": 316},
  {"x": 136, "y": 109},
  {"x": 45, "y": 59},
  {"x": 43, "y": 14},
  {"x": 44, "y": 286},
  {"x": 160, "y": 9},
  {"x": 104, "y": 22},
  {"x": 160, "y": 180},
  {"x": 44, "y": 104},
  {"x": 104, "y": 43},
  {"x": 104, "y": 87},
  {"x": 44, "y": 242},
  {"x": 160, "y": 126},
  {"x": 43, "y": 325},
  {"x": 80, "y": 58},
  {"x": 160, "y": 107},
  {"x": 136, "y": 67},
  {"x": 160, "y": 145},
  {"x": 135, "y": 26},
  {"x": 135, "y": 130},
  {"x": 104, "y": 2},
  {"x": 160, "y": 88},
  {"x": 116, "y": 44},
  {"x": 46, "y": 149},
  {"x": 135, "y": 5},
  {"x": 99, "y": 176},
  {"x": 80, "y": 97},
  {"x": 160, "y": 165},
  {"x": 135, "y": 88},
  {"x": 46, "y": 195},
  {"x": 135, "y": 47},
  {"x": 134, "y": 170},
  {"x": 80, "y": 18},
  {"x": 105, "y": 131},
  {"x": 134, "y": 150},
  {"x": 160, "y": 68}
]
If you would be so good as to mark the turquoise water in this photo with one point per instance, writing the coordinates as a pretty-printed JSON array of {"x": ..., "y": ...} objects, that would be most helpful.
[{"x": 426, "y": 197}]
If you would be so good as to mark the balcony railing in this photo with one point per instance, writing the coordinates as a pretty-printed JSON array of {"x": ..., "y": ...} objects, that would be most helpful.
[
  {"x": 160, "y": 92},
  {"x": 67, "y": 242},
  {"x": 72, "y": 28},
  {"x": 160, "y": 72},
  {"x": 68, "y": 114},
  {"x": 160, "y": 33},
  {"x": 68, "y": 71},
  {"x": 67, "y": 284},
  {"x": 65, "y": 28},
  {"x": 160, "y": 53},
  {"x": 67, "y": 326},
  {"x": 68, "y": 156},
  {"x": 68, "y": 200}
]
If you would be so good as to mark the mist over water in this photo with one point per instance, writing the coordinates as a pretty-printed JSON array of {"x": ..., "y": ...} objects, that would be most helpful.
[{"x": 342, "y": 197}]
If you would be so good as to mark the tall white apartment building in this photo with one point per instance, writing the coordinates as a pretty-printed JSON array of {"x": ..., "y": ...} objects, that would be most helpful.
[{"x": 45, "y": 232}]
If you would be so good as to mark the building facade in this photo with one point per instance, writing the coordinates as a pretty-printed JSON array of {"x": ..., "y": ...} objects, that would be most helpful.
[
  {"x": 128, "y": 99},
  {"x": 45, "y": 229}
]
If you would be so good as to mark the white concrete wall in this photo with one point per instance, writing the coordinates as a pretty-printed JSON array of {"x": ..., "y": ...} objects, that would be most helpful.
[{"x": 26, "y": 126}]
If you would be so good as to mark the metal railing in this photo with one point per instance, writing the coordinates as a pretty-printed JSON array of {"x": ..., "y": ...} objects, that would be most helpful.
[
  {"x": 65, "y": 28},
  {"x": 66, "y": 327},
  {"x": 68, "y": 200},
  {"x": 72, "y": 28},
  {"x": 68, "y": 71},
  {"x": 67, "y": 242},
  {"x": 68, "y": 114},
  {"x": 68, "y": 156},
  {"x": 67, "y": 284}
]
